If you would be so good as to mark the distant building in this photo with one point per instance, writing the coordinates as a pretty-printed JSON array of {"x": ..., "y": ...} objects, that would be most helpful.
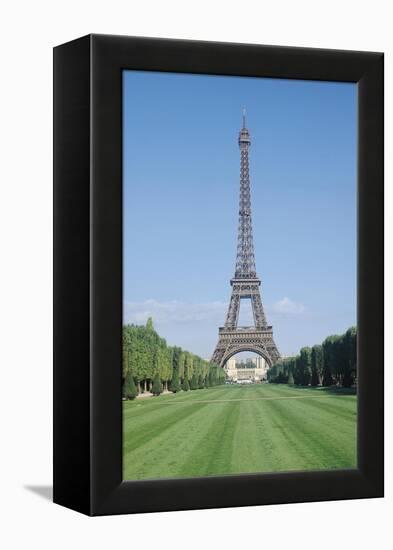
[
  {"x": 253, "y": 370},
  {"x": 230, "y": 369},
  {"x": 260, "y": 363}
]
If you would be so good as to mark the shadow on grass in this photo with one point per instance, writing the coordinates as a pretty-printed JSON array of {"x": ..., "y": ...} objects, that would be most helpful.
[
  {"x": 335, "y": 390},
  {"x": 338, "y": 390}
]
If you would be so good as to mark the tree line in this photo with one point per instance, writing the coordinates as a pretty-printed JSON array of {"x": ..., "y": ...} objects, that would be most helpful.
[
  {"x": 149, "y": 364},
  {"x": 331, "y": 363}
]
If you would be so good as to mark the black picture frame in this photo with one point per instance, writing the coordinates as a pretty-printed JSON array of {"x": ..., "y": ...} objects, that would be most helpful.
[{"x": 88, "y": 274}]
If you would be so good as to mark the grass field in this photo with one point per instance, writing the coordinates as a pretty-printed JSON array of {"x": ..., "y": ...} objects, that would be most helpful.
[{"x": 238, "y": 429}]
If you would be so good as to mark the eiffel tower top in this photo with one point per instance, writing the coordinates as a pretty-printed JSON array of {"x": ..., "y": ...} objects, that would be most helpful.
[
  {"x": 245, "y": 259},
  {"x": 244, "y": 135}
]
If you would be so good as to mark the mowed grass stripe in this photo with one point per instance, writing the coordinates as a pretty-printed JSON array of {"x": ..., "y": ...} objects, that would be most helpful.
[
  {"x": 143, "y": 429},
  {"x": 217, "y": 401},
  {"x": 171, "y": 452},
  {"x": 245, "y": 434},
  {"x": 253, "y": 446},
  {"x": 310, "y": 438},
  {"x": 343, "y": 408},
  {"x": 144, "y": 407},
  {"x": 212, "y": 454}
]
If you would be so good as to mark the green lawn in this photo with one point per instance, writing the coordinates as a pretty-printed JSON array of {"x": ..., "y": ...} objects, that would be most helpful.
[{"x": 238, "y": 429}]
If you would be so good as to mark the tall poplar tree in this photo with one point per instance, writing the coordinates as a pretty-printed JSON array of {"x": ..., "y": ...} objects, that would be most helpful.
[
  {"x": 186, "y": 384},
  {"x": 316, "y": 365}
]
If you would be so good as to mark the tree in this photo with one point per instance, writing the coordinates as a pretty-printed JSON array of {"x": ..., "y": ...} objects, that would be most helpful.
[
  {"x": 272, "y": 373},
  {"x": 348, "y": 380},
  {"x": 129, "y": 388},
  {"x": 221, "y": 376},
  {"x": 297, "y": 371},
  {"x": 329, "y": 360},
  {"x": 157, "y": 387},
  {"x": 166, "y": 364},
  {"x": 125, "y": 359},
  {"x": 339, "y": 359},
  {"x": 305, "y": 366},
  {"x": 316, "y": 365},
  {"x": 201, "y": 385},
  {"x": 333, "y": 362},
  {"x": 181, "y": 363},
  {"x": 349, "y": 375},
  {"x": 216, "y": 375},
  {"x": 175, "y": 382},
  {"x": 194, "y": 382},
  {"x": 327, "y": 379},
  {"x": 281, "y": 379},
  {"x": 301, "y": 367},
  {"x": 146, "y": 354},
  {"x": 188, "y": 365},
  {"x": 149, "y": 324},
  {"x": 186, "y": 384}
]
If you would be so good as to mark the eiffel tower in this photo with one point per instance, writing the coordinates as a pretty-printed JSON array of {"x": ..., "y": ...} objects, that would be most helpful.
[{"x": 245, "y": 284}]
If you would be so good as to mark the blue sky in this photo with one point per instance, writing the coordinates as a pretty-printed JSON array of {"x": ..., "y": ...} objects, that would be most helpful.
[{"x": 181, "y": 191}]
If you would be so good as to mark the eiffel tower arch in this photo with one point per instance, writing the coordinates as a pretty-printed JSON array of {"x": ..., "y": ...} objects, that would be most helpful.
[{"x": 233, "y": 339}]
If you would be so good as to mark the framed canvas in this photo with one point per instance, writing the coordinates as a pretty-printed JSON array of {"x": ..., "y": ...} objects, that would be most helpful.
[{"x": 157, "y": 245}]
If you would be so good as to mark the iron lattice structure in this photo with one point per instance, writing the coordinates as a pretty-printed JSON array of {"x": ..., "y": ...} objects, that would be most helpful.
[{"x": 245, "y": 284}]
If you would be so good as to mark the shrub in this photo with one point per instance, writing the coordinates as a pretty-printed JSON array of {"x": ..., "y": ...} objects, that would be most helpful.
[
  {"x": 157, "y": 387},
  {"x": 175, "y": 382},
  {"x": 129, "y": 388}
]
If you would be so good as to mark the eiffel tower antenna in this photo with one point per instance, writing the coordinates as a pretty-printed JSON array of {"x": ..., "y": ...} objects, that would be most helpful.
[{"x": 245, "y": 283}]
